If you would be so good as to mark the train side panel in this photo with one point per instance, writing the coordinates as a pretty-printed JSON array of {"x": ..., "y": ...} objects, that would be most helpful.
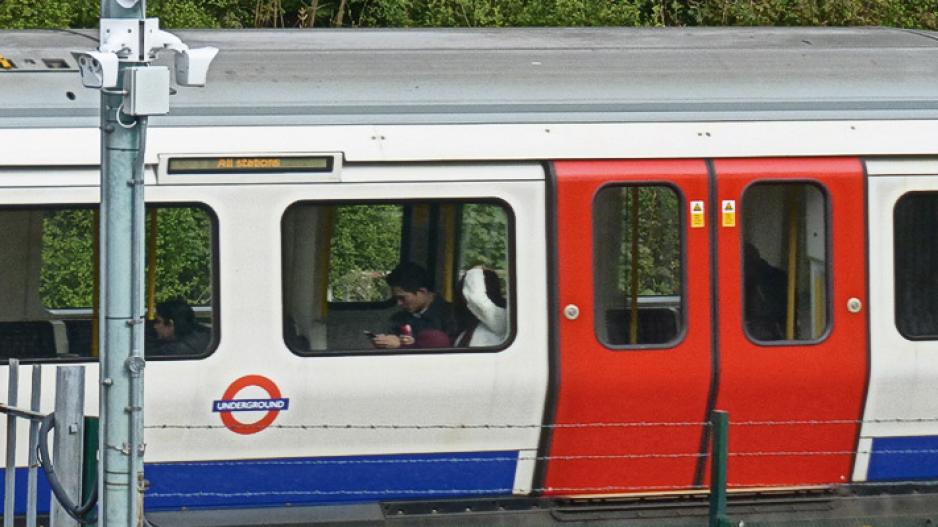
[
  {"x": 351, "y": 426},
  {"x": 900, "y": 430}
]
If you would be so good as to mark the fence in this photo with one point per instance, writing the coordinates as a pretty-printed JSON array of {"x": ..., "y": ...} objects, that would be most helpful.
[
  {"x": 721, "y": 461},
  {"x": 68, "y": 423},
  {"x": 68, "y": 418}
]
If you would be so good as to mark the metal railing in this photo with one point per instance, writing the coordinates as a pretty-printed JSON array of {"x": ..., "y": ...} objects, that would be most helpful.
[
  {"x": 718, "y": 486},
  {"x": 69, "y": 417},
  {"x": 34, "y": 417}
]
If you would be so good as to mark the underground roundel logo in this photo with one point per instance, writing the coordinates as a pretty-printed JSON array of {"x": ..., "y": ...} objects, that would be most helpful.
[{"x": 228, "y": 404}]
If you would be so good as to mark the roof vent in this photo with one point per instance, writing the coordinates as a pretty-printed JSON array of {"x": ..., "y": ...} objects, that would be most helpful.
[{"x": 55, "y": 64}]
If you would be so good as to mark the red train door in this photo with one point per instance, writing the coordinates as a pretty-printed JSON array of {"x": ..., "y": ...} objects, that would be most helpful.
[
  {"x": 792, "y": 327},
  {"x": 634, "y": 366}
]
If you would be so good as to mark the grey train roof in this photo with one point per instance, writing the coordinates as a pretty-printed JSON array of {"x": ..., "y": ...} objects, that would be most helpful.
[{"x": 264, "y": 77}]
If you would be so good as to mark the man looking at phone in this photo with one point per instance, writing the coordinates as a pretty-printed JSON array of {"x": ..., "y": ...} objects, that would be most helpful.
[{"x": 421, "y": 308}]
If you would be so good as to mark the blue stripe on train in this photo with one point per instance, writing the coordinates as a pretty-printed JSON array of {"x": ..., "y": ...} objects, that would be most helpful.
[
  {"x": 42, "y": 505},
  {"x": 272, "y": 482},
  {"x": 903, "y": 458}
]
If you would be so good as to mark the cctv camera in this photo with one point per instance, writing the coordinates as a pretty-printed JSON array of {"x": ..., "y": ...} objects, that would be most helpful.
[
  {"x": 98, "y": 69},
  {"x": 192, "y": 65}
]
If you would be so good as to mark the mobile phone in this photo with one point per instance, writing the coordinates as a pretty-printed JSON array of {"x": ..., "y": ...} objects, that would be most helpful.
[{"x": 369, "y": 334}]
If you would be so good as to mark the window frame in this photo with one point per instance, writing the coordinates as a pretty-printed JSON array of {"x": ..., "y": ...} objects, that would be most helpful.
[
  {"x": 511, "y": 290},
  {"x": 682, "y": 331}
]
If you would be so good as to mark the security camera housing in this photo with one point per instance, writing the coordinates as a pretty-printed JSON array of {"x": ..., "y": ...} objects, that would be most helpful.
[
  {"x": 192, "y": 65},
  {"x": 98, "y": 69}
]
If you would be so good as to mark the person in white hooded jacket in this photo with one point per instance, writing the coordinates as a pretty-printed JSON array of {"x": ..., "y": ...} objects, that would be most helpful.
[{"x": 488, "y": 325}]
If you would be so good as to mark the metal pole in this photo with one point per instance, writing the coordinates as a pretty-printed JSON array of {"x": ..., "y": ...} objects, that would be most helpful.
[
  {"x": 69, "y": 432},
  {"x": 9, "y": 498},
  {"x": 33, "y": 476},
  {"x": 720, "y": 423},
  {"x": 122, "y": 237}
]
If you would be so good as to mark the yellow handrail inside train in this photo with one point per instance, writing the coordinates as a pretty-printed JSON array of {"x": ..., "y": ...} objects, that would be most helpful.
[
  {"x": 792, "y": 263},
  {"x": 633, "y": 320},
  {"x": 819, "y": 303},
  {"x": 95, "y": 282},
  {"x": 448, "y": 220},
  {"x": 151, "y": 269}
]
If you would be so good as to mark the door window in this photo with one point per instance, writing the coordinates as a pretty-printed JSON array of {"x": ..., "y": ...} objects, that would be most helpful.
[
  {"x": 637, "y": 232},
  {"x": 785, "y": 290}
]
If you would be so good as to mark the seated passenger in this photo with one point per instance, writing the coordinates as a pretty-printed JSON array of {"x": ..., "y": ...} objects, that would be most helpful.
[
  {"x": 421, "y": 308},
  {"x": 766, "y": 296},
  {"x": 177, "y": 331},
  {"x": 483, "y": 309}
]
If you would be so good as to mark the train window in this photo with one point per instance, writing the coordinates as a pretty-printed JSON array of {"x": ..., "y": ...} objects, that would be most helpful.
[
  {"x": 785, "y": 262},
  {"x": 637, "y": 232},
  {"x": 48, "y": 280},
  {"x": 915, "y": 230},
  {"x": 181, "y": 311},
  {"x": 389, "y": 277}
]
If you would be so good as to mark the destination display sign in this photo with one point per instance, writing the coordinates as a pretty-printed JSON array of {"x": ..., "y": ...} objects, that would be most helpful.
[{"x": 253, "y": 164}]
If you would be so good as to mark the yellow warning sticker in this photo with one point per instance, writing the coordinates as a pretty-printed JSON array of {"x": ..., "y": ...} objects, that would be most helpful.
[
  {"x": 697, "y": 214},
  {"x": 728, "y": 211}
]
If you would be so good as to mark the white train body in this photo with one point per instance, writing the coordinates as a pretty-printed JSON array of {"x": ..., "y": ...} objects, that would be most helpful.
[{"x": 517, "y": 119}]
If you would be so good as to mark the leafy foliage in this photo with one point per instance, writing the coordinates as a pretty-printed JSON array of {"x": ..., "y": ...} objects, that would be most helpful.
[
  {"x": 484, "y": 237},
  {"x": 183, "y": 255},
  {"x": 896, "y": 13},
  {"x": 198, "y": 13},
  {"x": 658, "y": 228},
  {"x": 367, "y": 241},
  {"x": 919, "y": 14},
  {"x": 25, "y": 14},
  {"x": 66, "y": 277},
  {"x": 365, "y": 246},
  {"x": 495, "y": 13}
]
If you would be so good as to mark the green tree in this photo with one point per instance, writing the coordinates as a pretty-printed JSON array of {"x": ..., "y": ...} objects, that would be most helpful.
[
  {"x": 26, "y": 14},
  {"x": 918, "y": 14},
  {"x": 183, "y": 257},
  {"x": 500, "y": 13},
  {"x": 484, "y": 230},
  {"x": 66, "y": 278},
  {"x": 366, "y": 244},
  {"x": 659, "y": 237}
]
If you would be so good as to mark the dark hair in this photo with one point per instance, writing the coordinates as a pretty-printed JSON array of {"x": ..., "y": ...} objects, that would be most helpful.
[
  {"x": 180, "y": 313},
  {"x": 409, "y": 277},
  {"x": 493, "y": 288}
]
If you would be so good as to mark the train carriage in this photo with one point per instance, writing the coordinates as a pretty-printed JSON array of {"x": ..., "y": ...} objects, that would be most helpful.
[{"x": 682, "y": 221}]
